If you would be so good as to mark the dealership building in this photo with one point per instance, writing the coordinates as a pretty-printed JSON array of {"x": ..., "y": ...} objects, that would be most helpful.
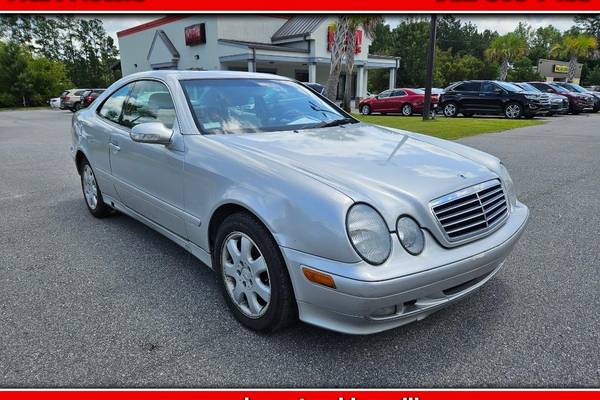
[{"x": 293, "y": 46}]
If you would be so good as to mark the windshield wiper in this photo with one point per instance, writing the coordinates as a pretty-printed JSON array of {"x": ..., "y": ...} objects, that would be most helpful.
[{"x": 335, "y": 122}]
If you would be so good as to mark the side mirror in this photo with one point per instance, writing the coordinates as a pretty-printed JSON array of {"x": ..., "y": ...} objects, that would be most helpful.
[
  {"x": 498, "y": 90},
  {"x": 151, "y": 132}
]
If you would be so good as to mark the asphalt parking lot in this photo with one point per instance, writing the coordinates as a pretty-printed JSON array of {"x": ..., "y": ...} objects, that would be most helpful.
[{"x": 88, "y": 302}]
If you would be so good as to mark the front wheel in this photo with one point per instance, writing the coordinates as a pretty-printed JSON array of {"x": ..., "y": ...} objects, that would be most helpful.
[
  {"x": 513, "y": 111},
  {"x": 450, "y": 109},
  {"x": 253, "y": 275},
  {"x": 407, "y": 110},
  {"x": 365, "y": 110},
  {"x": 92, "y": 193}
]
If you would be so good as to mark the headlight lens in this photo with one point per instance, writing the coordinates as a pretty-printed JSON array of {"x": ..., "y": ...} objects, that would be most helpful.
[
  {"x": 368, "y": 233},
  {"x": 410, "y": 235},
  {"x": 508, "y": 184},
  {"x": 532, "y": 97}
]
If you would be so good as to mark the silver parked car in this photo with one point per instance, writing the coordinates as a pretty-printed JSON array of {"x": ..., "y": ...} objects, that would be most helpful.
[{"x": 301, "y": 210}]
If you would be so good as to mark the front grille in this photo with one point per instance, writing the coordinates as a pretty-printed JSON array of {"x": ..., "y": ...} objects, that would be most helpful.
[
  {"x": 545, "y": 99},
  {"x": 472, "y": 211}
]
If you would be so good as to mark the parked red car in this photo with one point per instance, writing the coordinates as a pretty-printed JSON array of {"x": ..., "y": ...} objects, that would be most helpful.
[{"x": 404, "y": 101}]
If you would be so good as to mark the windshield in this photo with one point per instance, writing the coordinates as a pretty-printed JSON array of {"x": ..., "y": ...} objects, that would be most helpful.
[
  {"x": 257, "y": 105},
  {"x": 528, "y": 87},
  {"x": 509, "y": 86},
  {"x": 558, "y": 88},
  {"x": 577, "y": 88}
]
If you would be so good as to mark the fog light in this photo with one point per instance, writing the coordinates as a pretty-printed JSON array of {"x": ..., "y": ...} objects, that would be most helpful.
[{"x": 384, "y": 312}]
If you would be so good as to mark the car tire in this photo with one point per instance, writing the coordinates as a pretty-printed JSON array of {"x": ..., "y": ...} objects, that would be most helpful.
[
  {"x": 450, "y": 109},
  {"x": 365, "y": 110},
  {"x": 407, "y": 110},
  {"x": 91, "y": 192},
  {"x": 513, "y": 110},
  {"x": 241, "y": 241}
]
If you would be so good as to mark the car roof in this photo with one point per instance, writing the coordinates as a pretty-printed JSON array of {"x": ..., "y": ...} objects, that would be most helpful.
[{"x": 180, "y": 74}]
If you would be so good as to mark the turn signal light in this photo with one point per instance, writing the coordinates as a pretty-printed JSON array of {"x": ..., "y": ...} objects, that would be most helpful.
[{"x": 318, "y": 277}]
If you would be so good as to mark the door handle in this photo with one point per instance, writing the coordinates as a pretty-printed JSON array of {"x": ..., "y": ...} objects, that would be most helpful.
[{"x": 114, "y": 148}]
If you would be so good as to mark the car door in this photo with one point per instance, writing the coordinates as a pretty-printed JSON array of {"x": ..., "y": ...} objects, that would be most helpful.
[
  {"x": 396, "y": 100},
  {"x": 149, "y": 177},
  {"x": 98, "y": 133},
  {"x": 491, "y": 97},
  {"x": 381, "y": 102},
  {"x": 467, "y": 96}
]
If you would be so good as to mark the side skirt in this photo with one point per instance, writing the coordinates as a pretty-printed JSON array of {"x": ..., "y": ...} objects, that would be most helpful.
[{"x": 196, "y": 251}]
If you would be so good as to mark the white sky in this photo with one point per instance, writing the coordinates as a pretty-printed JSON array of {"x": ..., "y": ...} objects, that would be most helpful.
[{"x": 499, "y": 22}]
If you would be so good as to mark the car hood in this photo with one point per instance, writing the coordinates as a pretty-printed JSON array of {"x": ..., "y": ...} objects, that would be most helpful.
[{"x": 368, "y": 163}]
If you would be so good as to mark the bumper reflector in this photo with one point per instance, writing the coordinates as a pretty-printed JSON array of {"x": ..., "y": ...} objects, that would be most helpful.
[{"x": 318, "y": 277}]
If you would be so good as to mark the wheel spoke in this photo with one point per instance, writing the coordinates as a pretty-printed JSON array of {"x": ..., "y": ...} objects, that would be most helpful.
[
  {"x": 258, "y": 266},
  {"x": 229, "y": 270},
  {"x": 262, "y": 290},
  {"x": 246, "y": 249},
  {"x": 253, "y": 303},
  {"x": 238, "y": 292},
  {"x": 233, "y": 251}
]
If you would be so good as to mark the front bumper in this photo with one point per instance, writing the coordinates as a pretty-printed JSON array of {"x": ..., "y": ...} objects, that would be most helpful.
[
  {"x": 357, "y": 306},
  {"x": 537, "y": 108}
]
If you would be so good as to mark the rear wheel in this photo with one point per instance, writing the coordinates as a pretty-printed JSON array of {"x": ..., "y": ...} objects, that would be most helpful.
[
  {"x": 407, "y": 110},
  {"x": 253, "y": 275},
  {"x": 513, "y": 111},
  {"x": 92, "y": 193},
  {"x": 450, "y": 109}
]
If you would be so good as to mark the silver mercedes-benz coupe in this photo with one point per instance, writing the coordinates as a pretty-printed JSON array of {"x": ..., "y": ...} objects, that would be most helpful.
[{"x": 301, "y": 210}]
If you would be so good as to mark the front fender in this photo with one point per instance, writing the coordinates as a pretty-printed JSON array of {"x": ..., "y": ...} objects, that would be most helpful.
[{"x": 301, "y": 213}]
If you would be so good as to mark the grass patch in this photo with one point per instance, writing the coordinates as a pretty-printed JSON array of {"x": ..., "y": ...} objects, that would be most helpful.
[{"x": 448, "y": 128}]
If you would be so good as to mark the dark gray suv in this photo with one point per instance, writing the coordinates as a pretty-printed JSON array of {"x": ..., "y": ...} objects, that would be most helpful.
[{"x": 492, "y": 98}]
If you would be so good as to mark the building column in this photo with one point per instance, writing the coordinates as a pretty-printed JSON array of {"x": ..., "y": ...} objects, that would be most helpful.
[
  {"x": 365, "y": 82},
  {"x": 392, "y": 78},
  {"x": 251, "y": 65},
  {"x": 312, "y": 72},
  {"x": 360, "y": 83}
]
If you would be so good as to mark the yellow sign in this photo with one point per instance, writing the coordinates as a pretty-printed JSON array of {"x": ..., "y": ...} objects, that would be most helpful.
[{"x": 561, "y": 69}]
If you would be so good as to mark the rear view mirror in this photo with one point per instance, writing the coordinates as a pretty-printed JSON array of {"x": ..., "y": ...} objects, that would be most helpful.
[{"x": 151, "y": 132}]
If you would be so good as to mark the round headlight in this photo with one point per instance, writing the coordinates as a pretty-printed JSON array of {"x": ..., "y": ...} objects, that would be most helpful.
[
  {"x": 368, "y": 234},
  {"x": 410, "y": 235},
  {"x": 508, "y": 184}
]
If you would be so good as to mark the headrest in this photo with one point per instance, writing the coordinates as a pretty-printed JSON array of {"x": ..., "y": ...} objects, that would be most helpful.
[{"x": 160, "y": 100}]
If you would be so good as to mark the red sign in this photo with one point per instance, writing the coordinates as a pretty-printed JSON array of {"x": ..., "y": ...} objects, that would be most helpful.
[
  {"x": 195, "y": 34},
  {"x": 357, "y": 39}
]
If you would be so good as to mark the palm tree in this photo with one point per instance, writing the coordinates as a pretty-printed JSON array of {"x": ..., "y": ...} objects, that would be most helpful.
[
  {"x": 506, "y": 48},
  {"x": 368, "y": 24},
  {"x": 574, "y": 47},
  {"x": 340, "y": 30}
]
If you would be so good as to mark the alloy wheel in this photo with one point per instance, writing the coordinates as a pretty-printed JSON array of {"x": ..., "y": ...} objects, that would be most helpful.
[
  {"x": 407, "y": 110},
  {"x": 365, "y": 110},
  {"x": 449, "y": 110},
  {"x": 246, "y": 275},
  {"x": 513, "y": 111},
  {"x": 90, "y": 188}
]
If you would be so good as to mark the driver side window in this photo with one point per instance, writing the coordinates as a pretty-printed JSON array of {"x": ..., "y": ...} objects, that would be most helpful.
[{"x": 149, "y": 101}]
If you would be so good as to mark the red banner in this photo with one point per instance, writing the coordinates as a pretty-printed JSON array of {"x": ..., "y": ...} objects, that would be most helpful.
[
  {"x": 305, "y": 395},
  {"x": 305, "y": 5}
]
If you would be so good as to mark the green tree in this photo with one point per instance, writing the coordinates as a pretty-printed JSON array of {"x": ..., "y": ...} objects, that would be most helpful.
[
  {"x": 504, "y": 49},
  {"x": 589, "y": 24},
  {"x": 574, "y": 47},
  {"x": 542, "y": 41},
  {"x": 524, "y": 70}
]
